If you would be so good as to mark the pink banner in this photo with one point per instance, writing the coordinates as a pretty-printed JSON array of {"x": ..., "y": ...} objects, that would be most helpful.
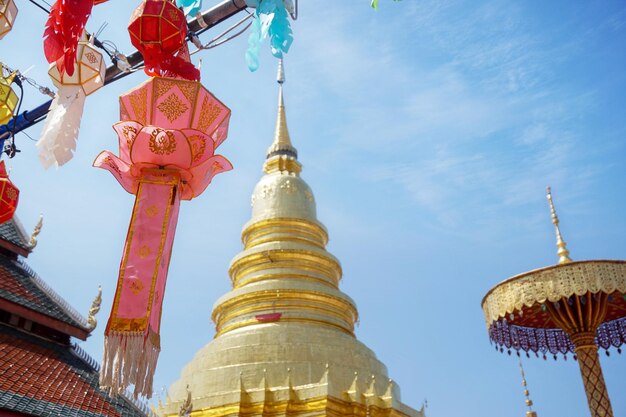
[{"x": 132, "y": 340}]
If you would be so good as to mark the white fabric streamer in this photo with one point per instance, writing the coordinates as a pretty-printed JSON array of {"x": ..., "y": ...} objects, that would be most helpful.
[
  {"x": 60, "y": 133},
  {"x": 129, "y": 359}
]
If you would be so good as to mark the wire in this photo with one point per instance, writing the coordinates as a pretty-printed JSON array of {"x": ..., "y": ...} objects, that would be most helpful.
[
  {"x": 42, "y": 89},
  {"x": 217, "y": 41},
  {"x": 40, "y": 6}
]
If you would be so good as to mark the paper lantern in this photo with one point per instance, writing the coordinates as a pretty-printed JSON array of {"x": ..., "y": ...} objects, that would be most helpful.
[
  {"x": 8, "y": 13},
  {"x": 158, "y": 30},
  {"x": 64, "y": 28},
  {"x": 60, "y": 133},
  {"x": 9, "y": 195},
  {"x": 8, "y": 98},
  {"x": 169, "y": 131}
]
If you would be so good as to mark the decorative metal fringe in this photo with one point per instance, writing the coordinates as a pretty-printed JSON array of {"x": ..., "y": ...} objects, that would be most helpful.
[{"x": 130, "y": 358}]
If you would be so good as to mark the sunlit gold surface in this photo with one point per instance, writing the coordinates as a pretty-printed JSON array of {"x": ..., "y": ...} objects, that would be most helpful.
[
  {"x": 307, "y": 362},
  {"x": 552, "y": 284},
  {"x": 562, "y": 251}
]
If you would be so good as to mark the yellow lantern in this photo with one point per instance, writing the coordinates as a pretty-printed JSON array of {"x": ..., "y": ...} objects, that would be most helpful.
[
  {"x": 8, "y": 12},
  {"x": 8, "y": 98},
  {"x": 60, "y": 133}
]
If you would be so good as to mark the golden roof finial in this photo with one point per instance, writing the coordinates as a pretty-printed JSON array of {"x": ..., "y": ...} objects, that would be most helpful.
[
  {"x": 282, "y": 142},
  {"x": 560, "y": 243},
  {"x": 95, "y": 307},
  {"x": 33, "y": 237},
  {"x": 529, "y": 402}
]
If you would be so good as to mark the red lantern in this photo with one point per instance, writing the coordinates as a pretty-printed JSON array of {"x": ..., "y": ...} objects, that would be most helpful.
[
  {"x": 158, "y": 30},
  {"x": 9, "y": 195}
]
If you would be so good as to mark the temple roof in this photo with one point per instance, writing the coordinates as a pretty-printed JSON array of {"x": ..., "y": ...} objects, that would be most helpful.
[
  {"x": 21, "y": 287},
  {"x": 46, "y": 379},
  {"x": 14, "y": 238}
]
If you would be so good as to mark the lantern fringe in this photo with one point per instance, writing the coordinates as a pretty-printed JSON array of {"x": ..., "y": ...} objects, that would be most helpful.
[
  {"x": 129, "y": 359},
  {"x": 60, "y": 133}
]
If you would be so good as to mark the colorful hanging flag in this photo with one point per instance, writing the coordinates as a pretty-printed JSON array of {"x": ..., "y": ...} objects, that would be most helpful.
[{"x": 270, "y": 20}]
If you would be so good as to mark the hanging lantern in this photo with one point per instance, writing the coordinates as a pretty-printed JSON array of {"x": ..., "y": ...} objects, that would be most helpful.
[
  {"x": 65, "y": 26},
  {"x": 169, "y": 131},
  {"x": 158, "y": 30},
  {"x": 9, "y": 195},
  {"x": 8, "y": 98},
  {"x": 60, "y": 133},
  {"x": 8, "y": 13}
]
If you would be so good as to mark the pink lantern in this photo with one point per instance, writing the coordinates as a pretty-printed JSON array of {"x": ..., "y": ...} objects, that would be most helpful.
[
  {"x": 8, "y": 13},
  {"x": 169, "y": 131}
]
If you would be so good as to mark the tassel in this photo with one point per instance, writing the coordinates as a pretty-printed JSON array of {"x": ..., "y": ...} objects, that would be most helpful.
[{"x": 60, "y": 133}]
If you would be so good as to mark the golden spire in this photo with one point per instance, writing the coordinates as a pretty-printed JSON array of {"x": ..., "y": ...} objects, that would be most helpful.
[
  {"x": 529, "y": 402},
  {"x": 281, "y": 155},
  {"x": 560, "y": 243}
]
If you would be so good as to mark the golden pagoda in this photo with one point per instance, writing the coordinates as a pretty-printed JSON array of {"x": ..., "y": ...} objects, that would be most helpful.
[{"x": 285, "y": 342}]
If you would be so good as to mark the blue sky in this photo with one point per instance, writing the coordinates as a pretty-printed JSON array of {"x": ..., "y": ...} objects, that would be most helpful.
[{"x": 428, "y": 132}]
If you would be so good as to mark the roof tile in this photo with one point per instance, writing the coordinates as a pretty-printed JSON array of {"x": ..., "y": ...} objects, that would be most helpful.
[
  {"x": 18, "y": 285},
  {"x": 47, "y": 379}
]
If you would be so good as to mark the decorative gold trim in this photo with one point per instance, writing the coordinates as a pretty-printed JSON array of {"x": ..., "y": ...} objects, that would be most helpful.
[
  {"x": 287, "y": 275},
  {"x": 308, "y": 230},
  {"x": 326, "y": 406},
  {"x": 282, "y": 163},
  {"x": 305, "y": 320},
  {"x": 553, "y": 283},
  {"x": 258, "y": 261},
  {"x": 233, "y": 306}
]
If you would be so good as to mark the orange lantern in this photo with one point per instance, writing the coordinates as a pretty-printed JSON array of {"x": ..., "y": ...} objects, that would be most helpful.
[
  {"x": 8, "y": 12},
  {"x": 8, "y": 98},
  {"x": 60, "y": 133},
  {"x": 9, "y": 195},
  {"x": 158, "y": 30}
]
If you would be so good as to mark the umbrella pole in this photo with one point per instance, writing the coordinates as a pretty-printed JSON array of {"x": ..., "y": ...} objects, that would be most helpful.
[{"x": 591, "y": 371}]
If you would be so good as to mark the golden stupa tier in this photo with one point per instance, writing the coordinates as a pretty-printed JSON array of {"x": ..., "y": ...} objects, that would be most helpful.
[{"x": 285, "y": 341}]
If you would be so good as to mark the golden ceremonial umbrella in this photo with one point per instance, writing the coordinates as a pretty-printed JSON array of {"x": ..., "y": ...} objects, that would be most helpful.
[{"x": 572, "y": 307}]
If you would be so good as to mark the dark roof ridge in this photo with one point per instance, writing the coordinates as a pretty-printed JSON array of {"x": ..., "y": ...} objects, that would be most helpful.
[{"x": 13, "y": 237}]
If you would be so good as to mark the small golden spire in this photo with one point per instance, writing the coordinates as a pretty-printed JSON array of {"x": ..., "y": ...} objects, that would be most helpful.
[
  {"x": 282, "y": 142},
  {"x": 187, "y": 407},
  {"x": 529, "y": 402},
  {"x": 560, "y": 243},
  {"x": 33, "y": 237}
]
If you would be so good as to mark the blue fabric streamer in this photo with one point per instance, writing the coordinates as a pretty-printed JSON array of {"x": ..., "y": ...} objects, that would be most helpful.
[
  {"x": 271, "y": 20},
  {"x": 190, "y": 7}
]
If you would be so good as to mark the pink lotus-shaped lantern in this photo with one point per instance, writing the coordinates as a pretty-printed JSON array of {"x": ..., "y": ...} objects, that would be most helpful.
[
  {"x": 188, "y": 152},
  {"x": 169, "y": 131}
]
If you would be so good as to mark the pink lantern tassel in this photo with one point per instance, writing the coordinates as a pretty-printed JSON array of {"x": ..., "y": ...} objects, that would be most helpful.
[{"x": 132, "y": 342}]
